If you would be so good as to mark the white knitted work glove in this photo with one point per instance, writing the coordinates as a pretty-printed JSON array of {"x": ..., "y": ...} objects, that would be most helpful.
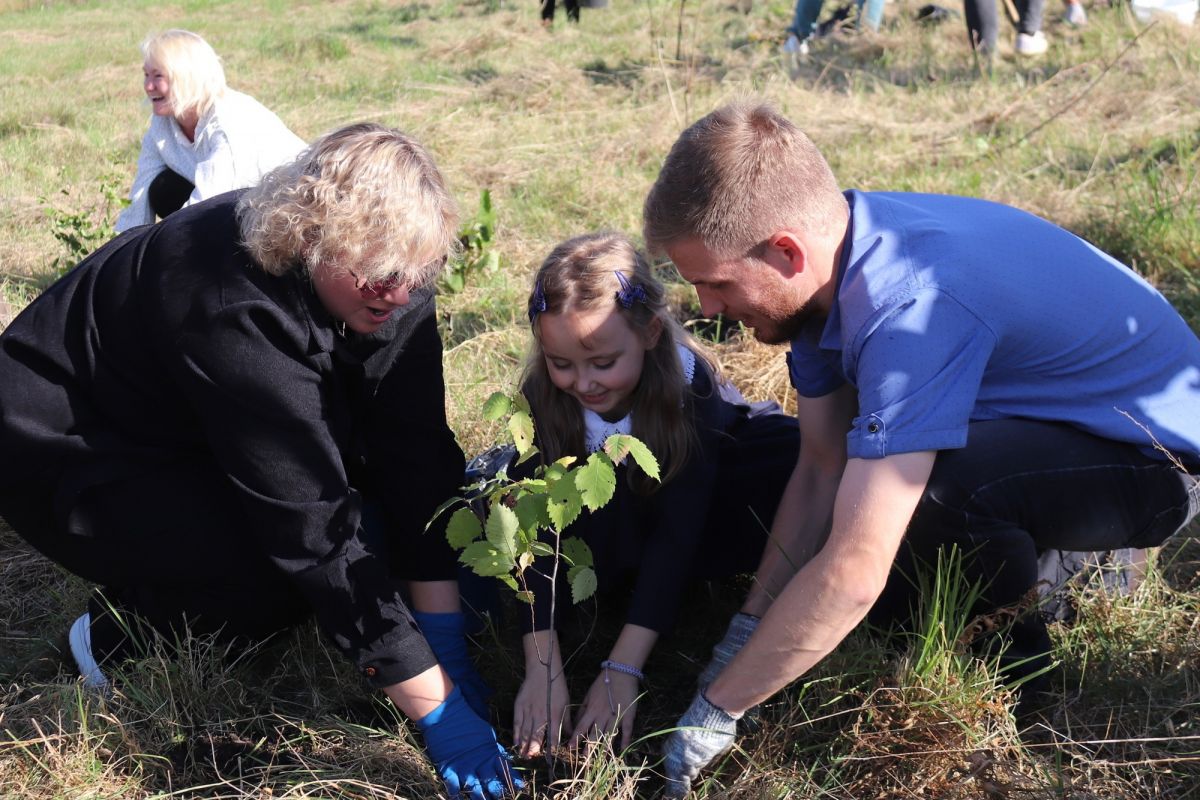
[
  {"x": 740, "y": 628},
  {"x": 703, "y": 733}
]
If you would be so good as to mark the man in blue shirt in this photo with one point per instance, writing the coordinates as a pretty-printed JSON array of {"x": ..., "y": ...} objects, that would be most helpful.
[{"x": 968, "y": 374}]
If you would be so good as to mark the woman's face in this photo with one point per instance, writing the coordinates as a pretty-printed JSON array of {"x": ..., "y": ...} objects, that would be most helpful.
[
  {"x": 158, "y": 89},
  {"x": 363, "y": 307}
]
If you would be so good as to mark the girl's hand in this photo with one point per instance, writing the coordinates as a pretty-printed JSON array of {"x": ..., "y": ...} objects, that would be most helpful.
[
  {"x": 543, "y": 672},
  {"x": 608, "y": 707}
]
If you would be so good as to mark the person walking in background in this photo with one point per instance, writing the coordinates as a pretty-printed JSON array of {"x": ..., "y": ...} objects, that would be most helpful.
[
  {"x": 235, "y": 420},
  {"x": 571, "y": 6},
  {"x": 971, "y": 378},
  {"x": 983, "y": 26},
  {"x": 204, "y": 138},
  {"x": 804, "y": 23}
]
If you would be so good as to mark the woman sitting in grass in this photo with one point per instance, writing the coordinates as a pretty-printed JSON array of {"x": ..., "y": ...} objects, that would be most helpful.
[
  {"x": 608, "y": 357},
  {"x": 204, "y": 138}
]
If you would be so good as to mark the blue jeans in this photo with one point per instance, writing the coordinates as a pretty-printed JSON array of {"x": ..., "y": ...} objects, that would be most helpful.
[{"x": 805, "y": 19}]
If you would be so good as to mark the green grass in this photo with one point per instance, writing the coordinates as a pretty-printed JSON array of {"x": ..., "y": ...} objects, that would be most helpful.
[{"x": 567, "y": 129}]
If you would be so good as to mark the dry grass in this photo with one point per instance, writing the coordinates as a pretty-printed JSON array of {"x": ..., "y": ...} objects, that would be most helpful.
[{"x": 567, "y": 130}]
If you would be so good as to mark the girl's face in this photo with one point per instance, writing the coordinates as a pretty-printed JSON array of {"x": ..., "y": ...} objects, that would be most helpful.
[
  {"x": 158, "y": 89},
  {"x": 595, "y": 357}
]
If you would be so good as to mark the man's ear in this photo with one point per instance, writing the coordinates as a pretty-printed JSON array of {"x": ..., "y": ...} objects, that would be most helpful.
[{"x": 787, "y": 253}]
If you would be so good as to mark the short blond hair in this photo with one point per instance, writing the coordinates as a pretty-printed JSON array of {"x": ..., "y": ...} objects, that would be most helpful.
[
  {"x": 192, "y": 66},
  {"x": 737, "y": 176},
  {"x": 363, "y": 198}
]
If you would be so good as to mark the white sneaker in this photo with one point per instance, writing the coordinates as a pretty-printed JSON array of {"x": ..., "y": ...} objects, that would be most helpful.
[
  {"x": 1076, "y": 15},
  {"x": 795, "y": 46},
  {"x": 80, "y": 639},
  {"x": 1031, "y": 44}
]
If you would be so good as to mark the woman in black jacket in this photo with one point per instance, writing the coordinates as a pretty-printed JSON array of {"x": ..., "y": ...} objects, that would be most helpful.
[{"x": 236, "y": 418}]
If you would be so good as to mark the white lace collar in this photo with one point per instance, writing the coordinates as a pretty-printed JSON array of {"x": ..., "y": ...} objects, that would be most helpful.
[{"x": 599, "y": 429}]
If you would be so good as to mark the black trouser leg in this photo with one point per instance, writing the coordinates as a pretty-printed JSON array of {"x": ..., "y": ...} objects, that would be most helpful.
[
  {"x": 171, "y": 547},
  {"x": 982, "y": 23},
  {"x": 1029, "y": 13},
  {"x": 1020, "y": 487},
  {"x": 168, "y": 192}
]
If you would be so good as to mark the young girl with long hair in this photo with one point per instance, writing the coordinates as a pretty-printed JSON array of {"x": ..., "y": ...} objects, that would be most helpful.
[{"x": 608, "y": 357}]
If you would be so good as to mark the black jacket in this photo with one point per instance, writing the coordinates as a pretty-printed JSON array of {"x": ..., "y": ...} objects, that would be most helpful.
[{"x": 170, "y": 343}]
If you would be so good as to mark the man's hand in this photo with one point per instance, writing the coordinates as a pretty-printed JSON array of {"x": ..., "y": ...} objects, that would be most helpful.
[
  {"x": 738, "y": 633},
  {"x": 529, "y": 710},
  {"x": 465, "y": 751},
  {"x": 611, "y": 704},
  {"x": 704, "y": 732}
]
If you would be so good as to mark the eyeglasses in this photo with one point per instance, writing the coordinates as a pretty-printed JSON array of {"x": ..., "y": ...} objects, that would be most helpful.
[{"x": 370, "y": 290}]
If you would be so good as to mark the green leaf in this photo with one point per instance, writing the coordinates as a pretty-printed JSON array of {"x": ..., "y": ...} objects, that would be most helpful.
[
  {"x": 485, "y": 559},
  {"x": 531, "y": 512},
  {"x": 583, "y": 583},
  {"x": 463, "y": 528},
  {"x": 509, "y": 581},
  {"x": 620, "y": 445},
  {"x": 496, "y": 406},
  {"x": 520, "y": 425},
  {"x": 525, "y": 596},
  {"x": 596, "y": 481},
  {"x": 520, "y": 403},
  {"x": 523, "y": 457},
  {"x": 524, "y": 561},
  {"x": 565, "y": 504},
  {"x": 541, "y": 549},
  {"x": 502, "y": 530},
  {"x": 576, "y": 552}
]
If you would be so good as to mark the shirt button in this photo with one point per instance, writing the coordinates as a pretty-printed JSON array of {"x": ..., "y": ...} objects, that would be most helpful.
[
  {"x": 370, "y": 672},
  {"x": 873, "y": 427}
]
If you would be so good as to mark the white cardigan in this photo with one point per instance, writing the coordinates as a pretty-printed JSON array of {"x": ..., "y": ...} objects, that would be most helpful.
[{"x": 237, "y": 141}]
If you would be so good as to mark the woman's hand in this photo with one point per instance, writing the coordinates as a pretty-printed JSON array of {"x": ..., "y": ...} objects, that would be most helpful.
[
  {"x": 610, "y": 705},
  {"x": 543, "y": 668}
]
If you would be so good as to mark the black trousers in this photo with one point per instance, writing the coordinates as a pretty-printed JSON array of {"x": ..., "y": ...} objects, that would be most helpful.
[
  {"x": 572, "y": 7},
  {"x": 170, "y": 546},
  {"x": 983, "y": 22},
  {"x": 1018, "y": 488},
  {"x": 168, "y": 192}
]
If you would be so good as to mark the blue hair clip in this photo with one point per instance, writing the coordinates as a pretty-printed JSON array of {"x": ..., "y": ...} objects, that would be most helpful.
[
  {"x": 630, "y": 292},
  {"x": 537, "y": 303}
]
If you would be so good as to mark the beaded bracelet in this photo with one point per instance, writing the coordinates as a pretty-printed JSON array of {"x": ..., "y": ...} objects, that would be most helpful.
[{"x": 619, "y": 667}]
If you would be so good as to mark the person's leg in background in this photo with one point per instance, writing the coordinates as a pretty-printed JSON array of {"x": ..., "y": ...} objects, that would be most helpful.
[{"x": 982, "y": 25}]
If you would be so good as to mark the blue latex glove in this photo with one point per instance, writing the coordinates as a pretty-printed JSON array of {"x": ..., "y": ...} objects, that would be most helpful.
[
  {"x": 703, "y": 733},
  {"x": 465, "y": 751},
  {"x": 740, "y": 628},
  {"x": 446, "y": 634}
]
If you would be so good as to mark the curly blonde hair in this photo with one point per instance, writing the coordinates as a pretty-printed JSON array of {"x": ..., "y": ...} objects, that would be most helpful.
[
  {"x": 365, "y": 199},
  {"x": 192, "y": 66}
]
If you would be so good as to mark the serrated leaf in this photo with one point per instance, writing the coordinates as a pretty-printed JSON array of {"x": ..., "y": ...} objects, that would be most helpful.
[
  {"x": 583, "y": 584},
  {"x": 463, "y": 528},
  {"x": 531, "y": 512},
  {"x": 564, "y": 505},
  {"x": 521, "y": 403},
  {"x": 541, "y": 549},
  {"x": 619, "y": 445},
  {"x": 509, "y": 581},
  {"x": 576, "y": 552},
  {"x": 523, "y": 457},
  {"x": 453, "y": 501},
  {"x": 525, "y": 596},
  {"x": 520, "y": 425},
  {"x": 502, "y": 526},
  {"x": 596, "y": 481},
  {"x": 496, "y": 406},
  {"x": 485, "y": 559}
]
